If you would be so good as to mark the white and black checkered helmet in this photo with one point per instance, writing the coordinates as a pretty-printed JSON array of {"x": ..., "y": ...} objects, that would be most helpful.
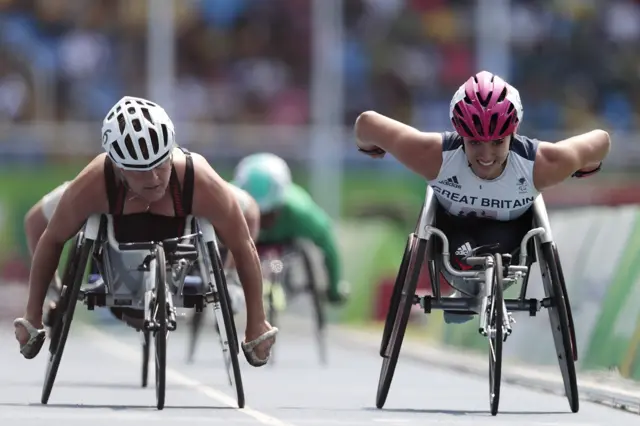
[{"x": 137, "y": 134}]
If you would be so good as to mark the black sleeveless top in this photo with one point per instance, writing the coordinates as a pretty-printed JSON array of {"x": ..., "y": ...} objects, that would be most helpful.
[{"x": 142, "y": 227}]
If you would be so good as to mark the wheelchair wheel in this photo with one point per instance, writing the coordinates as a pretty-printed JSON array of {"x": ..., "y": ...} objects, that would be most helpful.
[
  {"x": 72, "y": 281},
  {"x": 160, "y": 320},
  {"x": 565, "y": 294},
  {"x": 228, "y": 334},
  {"x": 318, "y": 307},
  {"x": 402, "y": 311},
  {"x": 395, "y": 296},
  {"x": 275, "y": 283},
  {"x": 495, "y": 321},
  {"x": 146, "y": 343},
  {"x": 559, "y": 319}
]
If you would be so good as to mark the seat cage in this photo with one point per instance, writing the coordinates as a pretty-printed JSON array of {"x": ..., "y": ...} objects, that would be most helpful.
[
  {"x": 515, "y": 273},
  {"x": 128, "y": 270}
]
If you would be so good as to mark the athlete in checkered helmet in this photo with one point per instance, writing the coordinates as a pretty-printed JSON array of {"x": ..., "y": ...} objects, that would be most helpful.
[{"x": 150, "y": 186}]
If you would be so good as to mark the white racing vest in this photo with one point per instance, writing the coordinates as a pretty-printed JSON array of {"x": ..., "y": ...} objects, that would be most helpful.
[{"x": 462, "y": 193}]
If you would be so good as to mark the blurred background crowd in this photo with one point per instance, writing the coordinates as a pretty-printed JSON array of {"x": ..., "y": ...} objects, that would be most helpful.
[{"x": 576, "y": 62}]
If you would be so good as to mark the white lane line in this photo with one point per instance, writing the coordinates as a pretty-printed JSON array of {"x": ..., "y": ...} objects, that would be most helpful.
[{"x": 129, "y": 354}]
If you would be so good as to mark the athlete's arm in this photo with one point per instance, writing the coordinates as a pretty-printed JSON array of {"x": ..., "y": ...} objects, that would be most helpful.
[
  {"x": 249, "y": 209},
  {"x": 252, "y": 216},
  {"x": 34, "y": 225},
  {"x": 214, "y": 200},
  {"x": 251, "y": 213},
  {"x": 84, "y": 196},
  {"x": 36, "y": 219},
  {"x": 420, "y": 151},
  {"x": 555, "y": 162}
]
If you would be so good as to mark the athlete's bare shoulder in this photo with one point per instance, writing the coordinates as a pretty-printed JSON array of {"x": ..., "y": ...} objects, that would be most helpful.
[
  {"x": 89, "y": 187},
  {"x": 209, "y": 187},
  {"x": 85, "y": 195}
]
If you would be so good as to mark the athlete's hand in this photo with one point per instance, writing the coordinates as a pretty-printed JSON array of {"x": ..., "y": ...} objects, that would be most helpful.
[{"x": 371, "y": 150}]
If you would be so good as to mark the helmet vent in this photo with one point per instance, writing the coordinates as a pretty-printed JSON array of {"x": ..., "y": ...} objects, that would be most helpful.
[
  {"x": 484, "y": 102},
  {"x": 121, "y": 123},
  {"x": 145, "y": 113},
  {"x": 505, "y": 126},
  {"x": 493, "y": 123},
  {"x": 154, "y": 140},
  {"x": 117, "y": 149},
  {"x": 478, "y": 125},
  {"x": 128, "y": 143},
  {"x": 143, "y": 148},
  {"x": 165, "y": 135}
]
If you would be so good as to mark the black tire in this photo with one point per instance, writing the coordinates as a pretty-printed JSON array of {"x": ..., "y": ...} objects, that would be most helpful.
[
  {"x": 318, "y": 306},
  {"x": 565, "y": 294},
  {"x": 72, "y": 281},
  {"x": 559, "y": 321},
  {"x": 495, "y": 321},
  {"x": 403, "y": 310},
  {"x": 146, "y": 349},
  {"x": 160, "y": 334},
  {"x": 229, "y": 323},
  {"x": 395, "y": 297}
]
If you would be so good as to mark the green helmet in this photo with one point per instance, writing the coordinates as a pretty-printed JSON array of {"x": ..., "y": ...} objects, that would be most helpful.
[{"x": 266, "y": 177}]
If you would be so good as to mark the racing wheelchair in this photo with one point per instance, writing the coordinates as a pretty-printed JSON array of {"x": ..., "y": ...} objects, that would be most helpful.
[
  {"x": 148, "y": 277},
  {"x": 276, "y": 262},
  {"x": 482, "y": 294}
]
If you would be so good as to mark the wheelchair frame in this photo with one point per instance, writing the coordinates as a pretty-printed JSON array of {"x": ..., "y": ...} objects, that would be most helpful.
[
  {"x": 489, "y": 304},
  {"x": 96, "y": 240},
  {"x": 275, "y": 266}
]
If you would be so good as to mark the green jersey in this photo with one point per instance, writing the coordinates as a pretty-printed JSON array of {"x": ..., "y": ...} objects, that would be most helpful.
[{"x": 301, "y": 218}]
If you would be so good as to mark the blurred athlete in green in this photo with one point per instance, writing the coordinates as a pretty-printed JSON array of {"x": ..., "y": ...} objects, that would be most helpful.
[{"x": 288, "y": 213}]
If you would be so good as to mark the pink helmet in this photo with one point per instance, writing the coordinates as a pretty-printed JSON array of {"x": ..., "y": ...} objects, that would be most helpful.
[{"x": 485, "y": 108}]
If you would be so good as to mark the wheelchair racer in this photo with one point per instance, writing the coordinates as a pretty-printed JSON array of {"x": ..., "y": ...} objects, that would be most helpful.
[
  {"x": 39, "y": 215},
  {"x": 149, "y": 184},
  {"x": 485, "y": 176},
  {"x": 288, "y": 214}
]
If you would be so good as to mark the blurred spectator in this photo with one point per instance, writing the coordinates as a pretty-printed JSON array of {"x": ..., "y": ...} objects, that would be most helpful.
[{"x": 248, "y": 61}]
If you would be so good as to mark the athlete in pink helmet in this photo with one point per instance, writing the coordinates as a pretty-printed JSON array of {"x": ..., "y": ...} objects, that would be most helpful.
[
  {"x": 485, "y": 175},
  {"x": 485, "y": 108}
]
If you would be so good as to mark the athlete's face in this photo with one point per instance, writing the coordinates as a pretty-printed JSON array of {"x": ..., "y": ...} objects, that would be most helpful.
[
  {"x": 487, "y": 158},
  {"x": 150, "y": 185}
]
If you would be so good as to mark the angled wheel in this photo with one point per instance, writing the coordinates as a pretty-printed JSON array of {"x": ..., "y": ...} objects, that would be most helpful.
[
  {"x": 146, "y": 342},
  {"x": 227, "y": 333},
  {"x": 559, "y": 319},
  {"x": 495, "y": 322},
  {"x": 401, "y": 312},
  {"x": 72, "y": 281},
  {"x": 318, "y": 307},
  {"x": 395, "y": 296},
  {"x": 565, "y": 294},
  {"x": 160, "y": 319}
]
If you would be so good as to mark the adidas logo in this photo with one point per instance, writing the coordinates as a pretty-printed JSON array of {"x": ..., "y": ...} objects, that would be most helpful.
[
  {"x": 452, "y": 181},
  {"x": 464, "y": 250}
]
